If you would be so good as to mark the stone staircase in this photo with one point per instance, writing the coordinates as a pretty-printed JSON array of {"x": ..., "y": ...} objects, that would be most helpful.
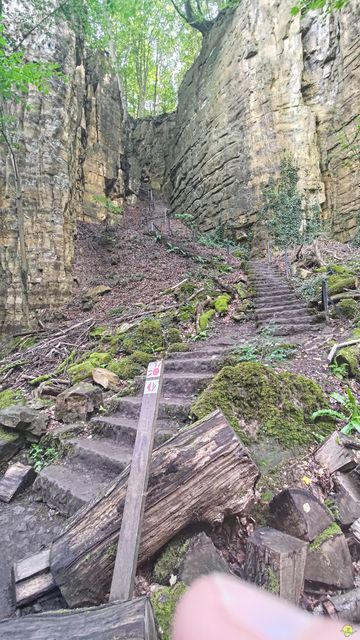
[
  {"x": 96, "y": 460},
  {"x": 276, "y": 303}
]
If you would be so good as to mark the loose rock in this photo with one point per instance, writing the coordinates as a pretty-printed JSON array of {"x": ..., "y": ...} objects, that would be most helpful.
[
  {"x": 25, "y": 420},
  {"x": 78, "y": 402},
  {"x": 16, "y": 479},
  {"x": 329, "y": 562}
]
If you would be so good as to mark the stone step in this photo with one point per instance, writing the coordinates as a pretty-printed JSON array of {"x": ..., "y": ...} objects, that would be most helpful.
[
  {"x": 284, "y": 313},
  {"x": 123, "y": 430},
  {"x": 206, "y": 352},
  {"x": 184, "y": 384},
  {"x": 293, "y": 303},
  {"x": 290, "y": 329},
  {"x": 283, "y": 320},
  {"x": 193, "y": 365},
  {"x": 273, "y": 291},
  {"x": 66, "y": 487},
  {"x": 282, "y": 297},
  {"x": 102, "y": 454},
  {"x": 170, "y": 407},
  {"x": 282, "y": 307}
]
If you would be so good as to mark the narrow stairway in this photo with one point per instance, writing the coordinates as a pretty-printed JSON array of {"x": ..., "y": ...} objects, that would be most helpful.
[
  {"x": 276, "y": 303},
  {"x": 96, "y": 460}
]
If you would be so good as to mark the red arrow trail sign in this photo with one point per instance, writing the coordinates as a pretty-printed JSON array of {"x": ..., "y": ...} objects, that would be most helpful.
[{"x": 122, "y": 585}]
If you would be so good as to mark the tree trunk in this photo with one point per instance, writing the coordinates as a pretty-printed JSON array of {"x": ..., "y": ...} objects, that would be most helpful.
[
  {"x": 132, "y": 620},
  {"x": 201, "y": 475}
]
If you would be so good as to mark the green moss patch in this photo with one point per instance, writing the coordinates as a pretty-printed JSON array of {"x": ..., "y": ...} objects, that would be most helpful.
[
  {"x": 169, "y": 561},
  {"x": 164, "y": 602},
  {"x": 7, "y": 436},
  {"x": 349, "y": 308},
  {"x": 173, "y": 336},
  {"x": 125, "y": 368},
  {"x": 258, "y": 402},
  {"x": 9, "y": 397},
  {"x": 221, "y": 303},
  {"x": 83, "y": 369},
  {"x": 331, "y": 531},
  {"x": 147, "y": 337},
  {"x": 205, "y": 319},
  {"x": 139, "y": 357},
  {"x": 337, "y": 283},
  {"x": 178, "y": 346}
]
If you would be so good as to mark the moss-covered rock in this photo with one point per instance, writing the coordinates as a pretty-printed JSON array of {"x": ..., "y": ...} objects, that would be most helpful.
[
  {"x": 82, "y": 370},
  {"x": 180, "y": 346},
  {"x": 349, "y": 308},
  {"x": 169, "y": 561},
  {"x": 125, "y": 368},
  {"x": 147, "y": 337},
  {"x": 349, "y": 356},
  {"x": 260, "y": 402},
  {"x": 9, "y": 397},
  {"x": 337, "y": 283},
  {"x": 205, "y": 319},
  {"x": 187, "y": 312},
  {"x": 164, "y": 602},
  {"x": 139, "y": 357},
  {"x": 221, "y": 303}
]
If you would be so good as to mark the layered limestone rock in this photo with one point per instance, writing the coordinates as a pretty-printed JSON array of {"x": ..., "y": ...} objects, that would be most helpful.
[
  {"x": 67, "y": 150},
  {"x": 266, "y": 84}
]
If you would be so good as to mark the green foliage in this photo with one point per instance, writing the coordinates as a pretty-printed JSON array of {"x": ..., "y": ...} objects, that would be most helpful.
[
  {"x": 260, "y": 402},
  {"x": 111, "y": 207},
  {"x": 310, "y": 288},
  {"x": 339, "y": 370},
  {"x": 9, "y": 397},
  {"x": 169, "y": 562},
  {"x": 147, "y": 337},
  {"x": 41, "y": 456},
  {"x": 350, "y": 412},
  {"x": 303, "y": 6},
  {"x": 264, "y": 347}
]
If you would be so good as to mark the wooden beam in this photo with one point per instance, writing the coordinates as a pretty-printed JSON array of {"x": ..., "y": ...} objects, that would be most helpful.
[
  {"x": 122, "y": 585},
  {"x": 32, "y": 578},
  {"x": 132, "y": 620}
]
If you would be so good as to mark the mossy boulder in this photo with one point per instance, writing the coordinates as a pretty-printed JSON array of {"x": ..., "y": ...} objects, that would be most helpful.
[
  {"x": 349, "y": 308},
  {"x": 8, "y": 397},
  {"x": 221, "y": 303},
  {"x": 350, "y": 356},
  {"x": 164, "y": 602},
  {"x": 82, "y": 370},
  {"x": 205, "y": 319},
  {"x": 339, "y": 282},
  {"x": 148, "y": 337},
  {"x": 261, "y": 403},
  {"x": 125, "y": 368}
]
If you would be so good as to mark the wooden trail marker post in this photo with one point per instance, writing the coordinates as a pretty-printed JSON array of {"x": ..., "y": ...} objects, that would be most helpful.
[{"x": 122, "y": 584}]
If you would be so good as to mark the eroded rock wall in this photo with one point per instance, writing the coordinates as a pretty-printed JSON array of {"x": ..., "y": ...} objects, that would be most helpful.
[
  {"x": 68, "y": 147},
  {"x": 266, "y": 84}
]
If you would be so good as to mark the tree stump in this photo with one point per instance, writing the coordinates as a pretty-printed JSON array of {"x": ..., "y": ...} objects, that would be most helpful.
[
  {"x": 201, "y": 475},
  {"x": 298, "y": 513},
  {"x": 276, "y": 562}
]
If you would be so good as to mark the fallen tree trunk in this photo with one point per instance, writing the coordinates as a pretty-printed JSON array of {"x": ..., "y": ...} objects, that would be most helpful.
[
  {"x": 201, "y": 475},
  {"x": 133, "y": 619}
]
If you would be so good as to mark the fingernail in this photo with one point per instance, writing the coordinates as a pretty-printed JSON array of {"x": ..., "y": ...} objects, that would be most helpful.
[{"x": 257, "y": 613}]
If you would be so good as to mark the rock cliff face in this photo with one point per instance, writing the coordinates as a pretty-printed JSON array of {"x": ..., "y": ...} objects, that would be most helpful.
[
  {"x": 68, "y": 149},
  {"x": 265, "y": 84}
]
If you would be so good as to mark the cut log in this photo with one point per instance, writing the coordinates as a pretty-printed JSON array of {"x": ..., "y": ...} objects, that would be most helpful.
[
  {"x": 132, "y": 620},
  {"x": 328, "y": 561},
  {"x": 16, "y": 479},
  {"x": 298, "y": 513},
  {"x": 355, "y": 529},
  {"x": 201, "y": 475},
  {"x": 338, "y": 453},
  {"x": 276, "y": 562},
  {"x": 347, "y": 497}
]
